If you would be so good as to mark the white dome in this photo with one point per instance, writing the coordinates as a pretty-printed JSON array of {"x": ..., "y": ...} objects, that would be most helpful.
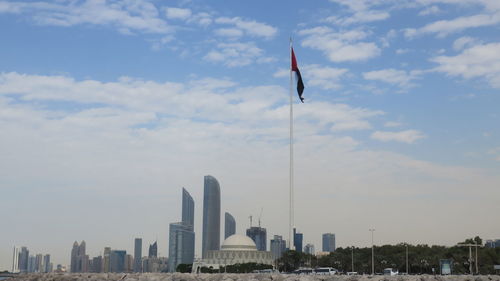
[{"x": 238, "y": 242}]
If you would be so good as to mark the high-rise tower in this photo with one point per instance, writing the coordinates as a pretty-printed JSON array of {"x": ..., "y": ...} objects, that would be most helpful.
[
  {"x": 187, "y": 208},
  {"x": 138, "y": 255},
  {"x": 328, "y": 242},
  {"x": 229, "y": 225},
  {"x": 181, "y": 235},
  {"x": 211, "y": 215}
]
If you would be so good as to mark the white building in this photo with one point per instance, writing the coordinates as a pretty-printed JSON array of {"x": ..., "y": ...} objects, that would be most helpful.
[{"x": 235, "y": 249}]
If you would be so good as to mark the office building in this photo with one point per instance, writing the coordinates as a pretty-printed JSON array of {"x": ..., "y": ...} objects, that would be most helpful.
[
  {"x": 181, "y": 245},
  {"x": 23, "y": 259},
  {"x": 138, "y": 255},
  {"x": 229, "y": 225},
  {"x": 211, "y": 215},
  {"x": 297, "y": 240},
  {"x": 259, "y": 236},
  {"x": 328, "y": 242},
  {"x": 181, "y": 235},
  {"x": 278, "y": 246},
  {"x": 153, "y": 250},
  {"x": 106, "y": 265},
  {"x": 187, "y": 208},
  {"x": 96, "y": 265},
  {"x": 117, "y": 260},
  {"x": 79, "y": 259},
  {"x": 47, "y": 265}
]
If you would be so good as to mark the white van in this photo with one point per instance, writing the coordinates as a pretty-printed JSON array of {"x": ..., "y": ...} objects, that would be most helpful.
[
  {"x": 390, "y": 271},
  {"x": 325, "y": 271}
]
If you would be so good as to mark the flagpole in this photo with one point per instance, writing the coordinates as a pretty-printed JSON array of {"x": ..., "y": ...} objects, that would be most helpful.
[{"x": 291, "y": 203}]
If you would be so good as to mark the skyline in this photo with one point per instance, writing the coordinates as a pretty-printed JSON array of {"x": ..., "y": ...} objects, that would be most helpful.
[{"x": 106, "y": 105}]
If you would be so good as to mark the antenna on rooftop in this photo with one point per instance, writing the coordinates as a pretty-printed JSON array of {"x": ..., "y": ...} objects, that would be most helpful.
[
  {"x": 260, "y": 215},
  {"x": 250, "y": 217}
]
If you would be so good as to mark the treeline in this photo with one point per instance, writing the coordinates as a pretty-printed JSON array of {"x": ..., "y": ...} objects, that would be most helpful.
[{"x": 422, "y": 259}]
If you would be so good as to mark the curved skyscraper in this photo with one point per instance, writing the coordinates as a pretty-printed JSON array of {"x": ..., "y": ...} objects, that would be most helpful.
[
  {"x": 211, "y": 215},
  {"x": 187, "y": 208},
  {"x": 229, "y": 225}
]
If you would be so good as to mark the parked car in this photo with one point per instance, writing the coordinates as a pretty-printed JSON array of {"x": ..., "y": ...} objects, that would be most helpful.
[{"x": 390, "y": 271}]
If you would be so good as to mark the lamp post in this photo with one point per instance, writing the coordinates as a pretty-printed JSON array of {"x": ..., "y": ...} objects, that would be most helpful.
[
  {"x": 373, "y": 254},
  {"x": 407, "y": 259}
]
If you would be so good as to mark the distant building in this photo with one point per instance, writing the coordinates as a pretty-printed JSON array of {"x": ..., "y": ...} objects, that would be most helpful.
[
  {"x": 297, "y": 240},
  {"x": 229, "y": 225},
  {"x": 328, "y": 242},
  {"x": 47, "y": 265},
  {"x": 106, "y": 262},
  {"x": 259, "y": 236},
  {"x": 187, "y": 208},
  {"x": 309, "y": 249},
  {"x": 79, "y": 259},
  {"x": 31, "y": 264},
  {"x": 211, "y": 215},
  {"x": 97, "y": 264},
  {"x": 181, "y": 235},
  {"x": 23, "y": 259},
  {"x": 138, "y": 255},
  {"x": 181, "y": 245},
  {"x": 117, "y": 260},
  {"x": 278, "y": 246},
  {"x": 129, "y": 263},
  {"x": 492, "y": 243},
  {"x": 153, "y": 250}
]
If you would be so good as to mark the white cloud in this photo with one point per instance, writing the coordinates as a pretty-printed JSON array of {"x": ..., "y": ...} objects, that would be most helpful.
[
  {"x": 445, "y": 27},
  {"x": 323, "y": 76},
  {"x": 178, "y": 13},
  {"x": 392, "y": 124},
  {"x": 340, "y": 46},
  {"x": 361, "y": 12},
  {"x": 463, "y": 42},
  {"x": 432, "y": 10},
  {"x": 229, "y": 32},
  {"x": 125, "y": 16},
  {"x": 402, "y": 51},
  {"x": 250, "y": 27},
  {"x": 481, "y": 61},
  {"x": 236, "y": 54},
  {"x": 408, "y": 136},
  {"x": 400, "y": 78}
]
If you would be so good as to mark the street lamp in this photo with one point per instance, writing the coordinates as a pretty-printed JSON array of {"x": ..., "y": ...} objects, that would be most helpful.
[
  {"x": 352, "y": 258},
  {"x": 373, "y": 254}
]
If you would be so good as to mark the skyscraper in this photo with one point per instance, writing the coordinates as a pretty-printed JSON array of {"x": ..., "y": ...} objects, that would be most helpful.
[
  {"x": 259, "y": 236},
  {"x": 117, "y": 260},
  {"x": 153, "y": 250},
  {"x": 181, "y": 235},
  {"x": 278, "y": 246},
  {"x": 23, "y": 260},
  {"x": 328, "y": 242},
  {"x": 138, "y": 255},
  {"x": 47, "y": 266},
  {"x": 211, "y": 215},
  {"x": 187, "y": 208},
  {"x": 79, "y": 259},
  {"x": 106, "y": 263},
  {"x": 297, "y": 240},
  {"x": 181, "y": 245},
  {"x": 229, "y": 225}
]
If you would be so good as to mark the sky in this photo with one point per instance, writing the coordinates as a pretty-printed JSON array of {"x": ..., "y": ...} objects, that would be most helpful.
[{"x": 109, "y": 108}]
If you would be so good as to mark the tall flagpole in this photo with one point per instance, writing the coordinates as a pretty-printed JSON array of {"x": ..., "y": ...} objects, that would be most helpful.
[{"x": 291, "y": 203}]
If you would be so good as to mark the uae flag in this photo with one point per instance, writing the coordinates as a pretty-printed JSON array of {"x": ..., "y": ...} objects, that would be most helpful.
[{"x": 298, "y": 77}]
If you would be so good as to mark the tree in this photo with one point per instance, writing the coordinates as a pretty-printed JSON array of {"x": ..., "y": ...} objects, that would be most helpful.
[{"x": 185, "y": 267}]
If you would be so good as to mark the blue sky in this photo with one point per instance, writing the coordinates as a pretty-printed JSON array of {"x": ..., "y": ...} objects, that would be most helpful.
[{"x": 110, "y": 107}]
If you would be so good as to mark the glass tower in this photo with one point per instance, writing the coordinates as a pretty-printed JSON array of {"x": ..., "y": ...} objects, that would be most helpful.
[
  {"x": 328, "y": 242},
  {"x": 211, "y": 215},
  {"x": 229, "y": 225}
]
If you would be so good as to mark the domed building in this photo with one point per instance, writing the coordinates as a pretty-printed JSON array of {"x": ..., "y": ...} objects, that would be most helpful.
[{"x": 235, "y": 249}]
